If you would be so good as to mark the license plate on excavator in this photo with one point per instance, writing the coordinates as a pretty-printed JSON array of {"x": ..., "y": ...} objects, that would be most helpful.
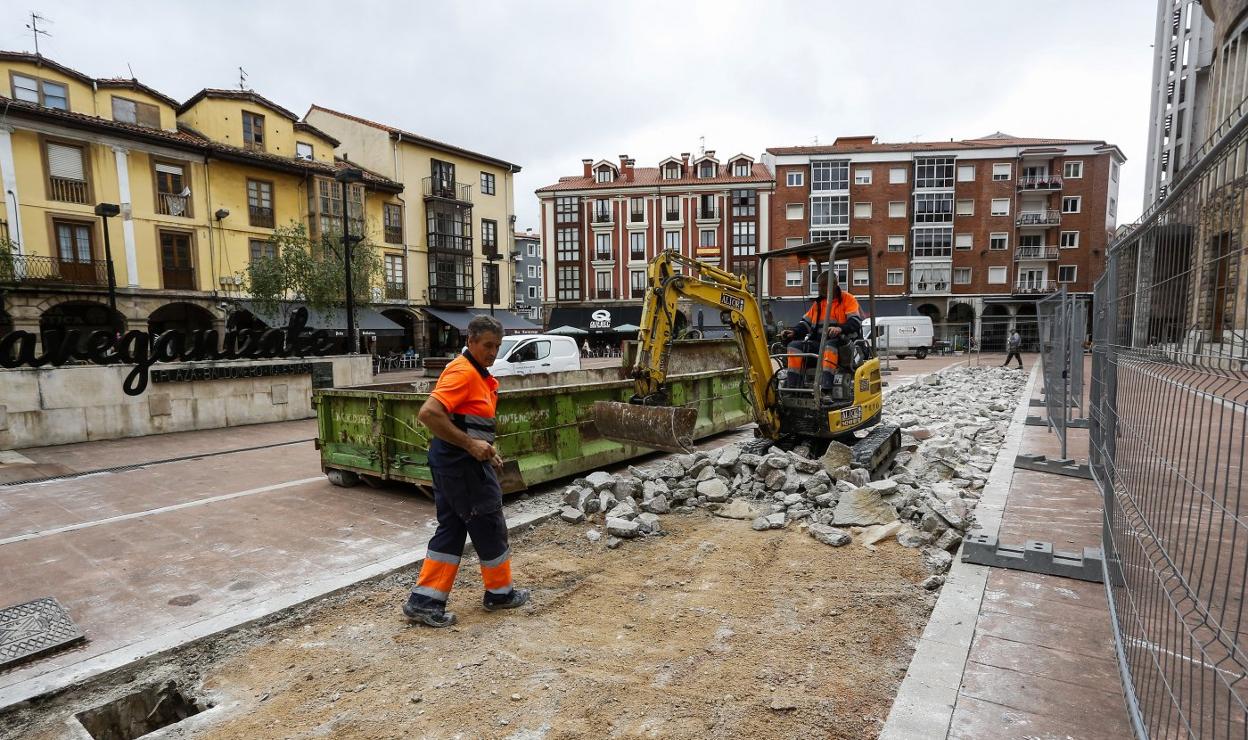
[
  {"x": 851, "y": 415},
  {"x": 668, "y": 428}
]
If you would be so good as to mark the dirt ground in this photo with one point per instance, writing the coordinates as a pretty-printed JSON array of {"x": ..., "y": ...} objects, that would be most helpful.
[{"x": 713, "y": 631}]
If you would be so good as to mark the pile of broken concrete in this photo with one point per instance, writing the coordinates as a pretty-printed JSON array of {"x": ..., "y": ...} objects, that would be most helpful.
[{"x": 952, "y": 425}]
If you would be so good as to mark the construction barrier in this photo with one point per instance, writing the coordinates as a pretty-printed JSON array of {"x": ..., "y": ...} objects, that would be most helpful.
[{"x": 1169, "y": 393}]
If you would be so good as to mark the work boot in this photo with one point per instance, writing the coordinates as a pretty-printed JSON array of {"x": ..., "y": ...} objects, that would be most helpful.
[
  {"x": 516, "y": 597},
  {"x": 428, "y": 611}
]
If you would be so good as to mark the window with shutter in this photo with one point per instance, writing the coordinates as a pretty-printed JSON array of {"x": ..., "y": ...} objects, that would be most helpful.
[{"x": 67, "y": 173}]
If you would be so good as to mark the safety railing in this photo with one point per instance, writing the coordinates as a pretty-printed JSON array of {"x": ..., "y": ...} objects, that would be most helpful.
[{"x": 1168, "y": 421}]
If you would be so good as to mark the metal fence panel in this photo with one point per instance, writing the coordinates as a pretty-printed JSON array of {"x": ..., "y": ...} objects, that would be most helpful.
[
  {"x": 1053, "y": 316},
  {"x": 1169, "y": 399}
]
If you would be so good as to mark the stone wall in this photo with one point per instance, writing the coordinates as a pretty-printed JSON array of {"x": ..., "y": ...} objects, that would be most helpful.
[{"x": 52, "y": 406}]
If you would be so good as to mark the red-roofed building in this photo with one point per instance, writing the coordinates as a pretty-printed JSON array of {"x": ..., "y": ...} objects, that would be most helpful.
[
  {"x": 600, "y": 228},
  {"x": 971, "y": 232}
]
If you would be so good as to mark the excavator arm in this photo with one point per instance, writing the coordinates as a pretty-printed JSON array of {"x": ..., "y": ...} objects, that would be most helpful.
[{"x": 648, "y": 420}]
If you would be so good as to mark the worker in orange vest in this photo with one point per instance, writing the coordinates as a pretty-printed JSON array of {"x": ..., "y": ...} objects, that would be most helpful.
[
  {"x": 463, "y": 462},
  {"x": 841, "y": 318}
]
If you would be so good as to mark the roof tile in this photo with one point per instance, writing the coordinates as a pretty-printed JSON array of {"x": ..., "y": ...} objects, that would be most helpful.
[{"x": 648, "y": 177}]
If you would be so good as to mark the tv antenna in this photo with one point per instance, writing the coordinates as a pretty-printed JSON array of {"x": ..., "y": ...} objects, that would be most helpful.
[
  {"x": 131, "y": 71},
  {"x": 701, "y": 145},
  {"x": 242, "y": 79},
  {"x": 35, "y": 30}
]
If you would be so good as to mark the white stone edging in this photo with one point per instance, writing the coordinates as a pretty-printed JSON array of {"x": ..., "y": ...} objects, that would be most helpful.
[{"x": 923, "y": 707}]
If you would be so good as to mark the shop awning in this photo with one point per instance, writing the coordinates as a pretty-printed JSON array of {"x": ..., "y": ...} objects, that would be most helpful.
[
  {"x": 367, "y": 321},
  {"x": 459, "y": 318},
  {"x": 595, "y": 320}
]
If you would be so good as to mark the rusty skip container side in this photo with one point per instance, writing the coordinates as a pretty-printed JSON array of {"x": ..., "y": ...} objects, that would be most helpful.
[{"x": 549, "y": 431}]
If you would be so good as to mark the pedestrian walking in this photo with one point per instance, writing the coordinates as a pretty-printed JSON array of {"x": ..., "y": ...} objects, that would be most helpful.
[
  {"x": 1013, "y": 345},
  {"x": 464, "y": 464}
]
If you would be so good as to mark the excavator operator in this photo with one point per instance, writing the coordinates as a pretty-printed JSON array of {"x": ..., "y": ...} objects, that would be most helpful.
[{"x": 842, "y": 319}]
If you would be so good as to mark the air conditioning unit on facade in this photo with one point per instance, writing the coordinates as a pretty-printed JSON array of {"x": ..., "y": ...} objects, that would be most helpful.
[{"x": 231, "y": 280}]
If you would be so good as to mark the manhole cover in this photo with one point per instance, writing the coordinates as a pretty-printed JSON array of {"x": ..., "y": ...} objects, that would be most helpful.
[{"x": 34, "y": 628}]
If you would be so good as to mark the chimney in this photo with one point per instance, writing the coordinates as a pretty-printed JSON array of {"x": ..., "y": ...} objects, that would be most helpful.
[
  {"x": 684, "y": 157},
  {"x": 587, "y": 164},
  {"x": 626, "y": 167},
  {"x": 710, "y": 152}
]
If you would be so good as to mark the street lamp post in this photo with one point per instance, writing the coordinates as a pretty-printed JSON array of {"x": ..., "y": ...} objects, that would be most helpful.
[
  {"x": 345, "y": 177},
  {"x": 104, "y": 211}
]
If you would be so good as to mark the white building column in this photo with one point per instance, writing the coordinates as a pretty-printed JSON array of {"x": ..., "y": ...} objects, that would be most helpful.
[
  {"x": 8, "y": 177},
  {"x": 764, "y": 241},
  {"x": 127, "y": 222}
]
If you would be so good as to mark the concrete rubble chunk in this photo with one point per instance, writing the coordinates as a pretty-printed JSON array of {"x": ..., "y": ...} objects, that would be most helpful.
[
  {"x": 750, "y": 459},
  {"x": 669, "y": 469},
  {"x": 606, "y": 502},
  {"x": 879, "y": 532},
  {"x": 938, "y": 561},
  {"x": 641, "y": 474},
  {"x": 706, "y": 473},
  {"x": 863, "y": 506},
  {"x": 737, "y": 509},
  {"x": 792, "y": 481},
  {"x": 910, "y": 537},
  {"x": 859, "y": 476},
  {"x": 793, "y": 499},
  {"x": 626, "y": 488},
  {"x": 836, "y": 456},
  {"x": 572, "y": 515},
  {"x": 885, "y": 487},
  {"x": 623, "y": 528},
  {"x": 774, "y": 480},
  {"x": 776, "y": 461},
  {"x": 625, "y": 510},
  {"x": 760, "y": 524},
  {"x": 932, "y": 379},
  {"x": 949, "y": 541},
  {"x": 829, "y": 535},
  {"x": 600, "y": 480},
  {"x": 797, "y": 512},
  {"x": 614, "y": 542},
  {"x": 730, "y": 456},
  {"x": 657, "y": 505},
  {"x": 827, "y": 499},
  {"x": 593, "y": 535},
  {"x": 715, "y": 490},
  {"x": 931, "y": 583},
  {"x": 776, "y": 520},
  {"x": 648, "y": 523}
]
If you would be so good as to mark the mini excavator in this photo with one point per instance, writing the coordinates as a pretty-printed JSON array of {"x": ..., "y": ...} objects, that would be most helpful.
[{"x": 788, "y": 413}]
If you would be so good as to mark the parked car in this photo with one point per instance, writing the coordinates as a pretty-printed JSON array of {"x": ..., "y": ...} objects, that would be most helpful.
[
  {"x": 901, "y": 336},
  {"x": 536, "y": 353}
]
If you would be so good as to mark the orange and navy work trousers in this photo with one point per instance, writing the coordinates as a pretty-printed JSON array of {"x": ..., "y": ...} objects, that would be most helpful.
[
  {"x": 797, "y": 361},
  {"x": 469, "y": 502}
]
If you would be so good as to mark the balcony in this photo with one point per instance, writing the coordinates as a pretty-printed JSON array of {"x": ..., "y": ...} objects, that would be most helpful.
[
  {"x": 603, "y": 255},
  {"x": 1043, "y": 183},
  {"x": 1034, "y": 288},
  {"x": 178, "y": 278},
  {"x": 457, "y": 294},
  {"x": 708, "y": 214},
  {"x": 395, "y": 291},
  {"x": 1039, "y": 218},
  {"x": 1035, "y": 253},
  {"x": 603, "y": 217},
  {"x": 450, "y": 243},
  {"x": 637, "y": 217},
  {"x": 671, "y": 216},
  {"x": 20, "y": 268},
  {"x": 67, "y": 191},
  {"x": 394, "y": 235},
  {"x": 437, "y": 187},
  {"x": 932, "y": 287},
  {"x": 171, "y": 204},
  {"x": 260, "y": 216}
]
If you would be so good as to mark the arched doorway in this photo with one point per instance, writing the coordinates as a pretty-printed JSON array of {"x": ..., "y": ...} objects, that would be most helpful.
[
  {"x": 994, "y": 328},
  {"x": 932, "y": 312},
  {"x": 83, "y": 316},
  {"x": 961, "y": 325},
  {"x": 400, "y": 344},
  {"x": 183, "y": 317},
  {"x": 243, "y": 319},
  {"x": 1027, "y": 323}
]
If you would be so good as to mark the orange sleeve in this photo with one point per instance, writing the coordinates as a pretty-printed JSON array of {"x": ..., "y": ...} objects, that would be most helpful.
[
  {"x": 452, "y": 388},
  {"x": 851, "y": 304}
]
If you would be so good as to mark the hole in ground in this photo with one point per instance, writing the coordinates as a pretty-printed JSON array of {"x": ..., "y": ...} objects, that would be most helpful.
[{"x": 137, "y": 714}]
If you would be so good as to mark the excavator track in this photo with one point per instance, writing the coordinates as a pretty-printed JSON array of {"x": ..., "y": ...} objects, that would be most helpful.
[{"x": 877, "y": 451}]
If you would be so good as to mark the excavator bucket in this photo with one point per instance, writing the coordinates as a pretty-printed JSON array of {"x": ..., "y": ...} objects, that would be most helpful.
[{"x": 668, "y": 428}]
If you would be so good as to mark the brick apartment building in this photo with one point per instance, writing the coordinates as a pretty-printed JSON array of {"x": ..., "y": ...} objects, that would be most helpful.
[
  {"x": 969, "y": 232},
  {"x": 600, "y": 228}
]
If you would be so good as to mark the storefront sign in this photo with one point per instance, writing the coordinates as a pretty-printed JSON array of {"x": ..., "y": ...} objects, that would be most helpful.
[
  {"x": 138, "y": 348},
  {"x": 600, "y": 319}
]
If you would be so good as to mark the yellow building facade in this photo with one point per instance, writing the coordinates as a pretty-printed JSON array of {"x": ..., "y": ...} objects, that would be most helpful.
[
  {"x": 201, "y": 187},
  {"x": 457, "y": 217}
]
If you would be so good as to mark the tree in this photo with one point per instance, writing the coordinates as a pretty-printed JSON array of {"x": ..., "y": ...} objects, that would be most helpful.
[
  {"x": 8, "y": 266},
  {"x": 310, "y": 271}
]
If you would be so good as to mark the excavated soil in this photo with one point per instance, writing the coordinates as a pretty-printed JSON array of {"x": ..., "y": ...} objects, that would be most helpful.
[{"x": 713, "y": 631}]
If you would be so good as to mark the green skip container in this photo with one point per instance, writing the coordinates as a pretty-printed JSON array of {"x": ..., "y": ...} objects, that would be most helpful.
[{"x": 545, "y": 422}]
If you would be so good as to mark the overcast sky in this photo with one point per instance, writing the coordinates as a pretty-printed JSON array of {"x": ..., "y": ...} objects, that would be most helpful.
[{"x": 545, "y": 84}]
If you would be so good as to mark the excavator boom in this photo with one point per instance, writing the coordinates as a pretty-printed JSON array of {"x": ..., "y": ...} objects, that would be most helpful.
[{"x": 649, "y": 420}]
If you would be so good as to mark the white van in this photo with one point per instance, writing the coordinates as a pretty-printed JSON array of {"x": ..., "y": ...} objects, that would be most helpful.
[
  {"x": 901, "y": 335},
  {"x": 536, "y": 353}
]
